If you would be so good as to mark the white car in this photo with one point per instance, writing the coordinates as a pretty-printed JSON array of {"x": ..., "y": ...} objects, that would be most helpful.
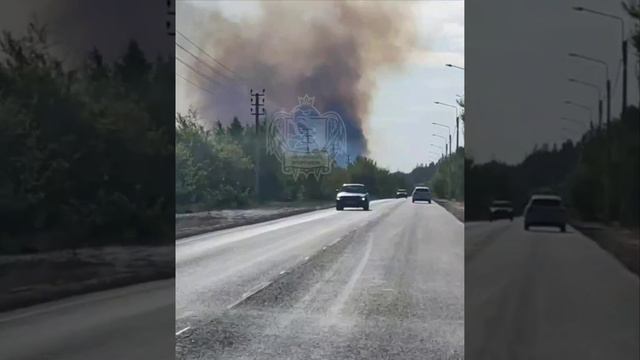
[
  {"x": 421, "y": 193},
  {"x": 545, "y": 210}
]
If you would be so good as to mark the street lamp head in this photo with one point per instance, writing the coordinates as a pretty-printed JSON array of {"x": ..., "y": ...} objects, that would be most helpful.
[
  {"x": 578, "y": 8},
  {"x": 567, "y": 102},
  {"x": 573, "y": 54},
  {"x": 572, "y": 79},
  {"x": 437, "y": 102},
  {"x": 449, "y": 65}
]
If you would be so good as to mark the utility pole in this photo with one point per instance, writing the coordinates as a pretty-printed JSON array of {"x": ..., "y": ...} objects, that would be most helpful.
[
  {"x": 449, "y": 144},
  {"x": 599, "y": 114},
  {"x": 624, "y": 75},
  {"x": 257, "y": 101},
  {"x": 608, "y": 103},
  {"x": 457, "y": 130},
  {"x": 171, "y": 12}
]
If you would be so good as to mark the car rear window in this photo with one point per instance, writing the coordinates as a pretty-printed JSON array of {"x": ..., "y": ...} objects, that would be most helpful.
[
  {"x": 546, "y": 202},
  {"x": 422, "y": 190}
]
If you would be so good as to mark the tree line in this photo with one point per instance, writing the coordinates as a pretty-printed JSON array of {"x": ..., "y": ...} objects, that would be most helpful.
[
  {"x": 215, "y": 168},
  {"x": 87, "y": 152},
  {"x": 597, "y": 175}
]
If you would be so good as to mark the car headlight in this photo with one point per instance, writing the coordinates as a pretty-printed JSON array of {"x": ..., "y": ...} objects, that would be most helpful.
[
  {"x": 364, "y": 198},
  {"x": 337, "y": 197}
]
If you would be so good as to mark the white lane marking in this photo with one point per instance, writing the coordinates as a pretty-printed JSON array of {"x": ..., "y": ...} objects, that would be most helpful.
[
  {"x": 183, "y": 330},
  {"x": 324, "y": 248},
  {"x": 250, "y": 293},
  {"x": 306, "y": 258},
  {"x": 335, "y": 241},
  {"x": 339, "y": 303},
  {"x": 282, "y": 272}
]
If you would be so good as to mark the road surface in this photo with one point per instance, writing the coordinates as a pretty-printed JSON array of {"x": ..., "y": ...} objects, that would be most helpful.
[
  {"x": 134, "y": 322},
  {"x": 543, "y": 294},
  {"x": 382, "y": 284}
]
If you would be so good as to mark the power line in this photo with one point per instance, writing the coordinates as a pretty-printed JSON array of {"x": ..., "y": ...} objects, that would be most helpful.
[
  {"x": 237, "y": 79},
  {"x": 194, "y": 84},
  {"x": 197, "y": 72},
  {"x": 217, "y": 72},
  {"x": 206, "y": 53}
]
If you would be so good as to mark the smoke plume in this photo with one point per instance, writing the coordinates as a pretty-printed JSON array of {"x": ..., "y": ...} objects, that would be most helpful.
[{"x": 329, "y": 50}]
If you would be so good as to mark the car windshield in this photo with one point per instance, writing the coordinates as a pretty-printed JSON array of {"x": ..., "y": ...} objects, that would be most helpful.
[
  {"x": 546, "y": 202},
  {"x": 354, "y": 189}
]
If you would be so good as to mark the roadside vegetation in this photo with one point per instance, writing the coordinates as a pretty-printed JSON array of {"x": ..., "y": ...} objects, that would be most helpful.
[
  {"x": 595, "y": 189},
  {"x": 86, "y": 151},
  {"x": 215, "y": 169}
]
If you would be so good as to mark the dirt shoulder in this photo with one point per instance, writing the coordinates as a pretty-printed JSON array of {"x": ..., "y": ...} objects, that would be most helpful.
[
  {"x": 623, "y": 244},
  {"x": 207, "y": 221},
  {"x": 454, "y": 207},
  {"x": 33, "y": 279}
]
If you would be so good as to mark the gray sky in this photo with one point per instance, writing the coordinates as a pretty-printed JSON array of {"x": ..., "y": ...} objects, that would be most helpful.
[
  {"x": 517, "y": 71},
  {"x": 76, "y": 26},
  {"x": 399, "y": 129}
]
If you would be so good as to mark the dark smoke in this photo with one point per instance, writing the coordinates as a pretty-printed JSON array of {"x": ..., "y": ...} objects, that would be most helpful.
[{"x": 330, "y": 50}]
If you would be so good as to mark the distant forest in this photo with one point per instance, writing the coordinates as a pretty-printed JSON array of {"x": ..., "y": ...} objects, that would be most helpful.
[
  {"x": 594, "y": 188},
  {"x": 215, "y": 168}
]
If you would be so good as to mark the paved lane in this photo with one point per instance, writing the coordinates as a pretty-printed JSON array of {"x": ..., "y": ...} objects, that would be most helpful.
[
  {"x": 134, "y": 322},
  {"x": 543, "y": 294},
  {"x": 383, "y": 284}
]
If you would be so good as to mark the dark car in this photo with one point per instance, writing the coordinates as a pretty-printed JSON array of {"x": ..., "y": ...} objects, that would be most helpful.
[
  {"x": 352, "y": 195},
  {"x": 401, "y": 193},
  {"x": 501, "y": 209}
]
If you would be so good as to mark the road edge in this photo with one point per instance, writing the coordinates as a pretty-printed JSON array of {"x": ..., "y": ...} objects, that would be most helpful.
[
  {"x": 452, "y": 209},
  {"x": 257, "y": 220}
]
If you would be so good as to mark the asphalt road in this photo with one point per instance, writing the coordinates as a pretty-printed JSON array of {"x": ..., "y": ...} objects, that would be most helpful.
[
  {"x": 382, "y": 284},
  {"x": 134, "y": 322},
  {"x": 544, "y": 294}
]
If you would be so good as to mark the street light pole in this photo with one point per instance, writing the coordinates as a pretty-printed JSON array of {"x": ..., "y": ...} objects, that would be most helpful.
[
  {"x": 575, "y": 121},
  {"x": 593, "y": 86},
  {"x": 446, "y": 167},
  {"x": 583, "y": 107},
  {"x": 606, "y": 69},
  {"x": 624, "y": 49},
  {"x": 445, "y": 142},
  {"x": 457, "y": 122},
  {"x": 448, "y": 128},
  {"x": 454, "y": 66},
  {"x": 439, "y": 147}
]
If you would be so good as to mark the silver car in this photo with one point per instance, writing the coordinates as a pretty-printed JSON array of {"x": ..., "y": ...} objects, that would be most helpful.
[
  {"x": 545, "y": 210},
  {"x": 421, "y": 193}
]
